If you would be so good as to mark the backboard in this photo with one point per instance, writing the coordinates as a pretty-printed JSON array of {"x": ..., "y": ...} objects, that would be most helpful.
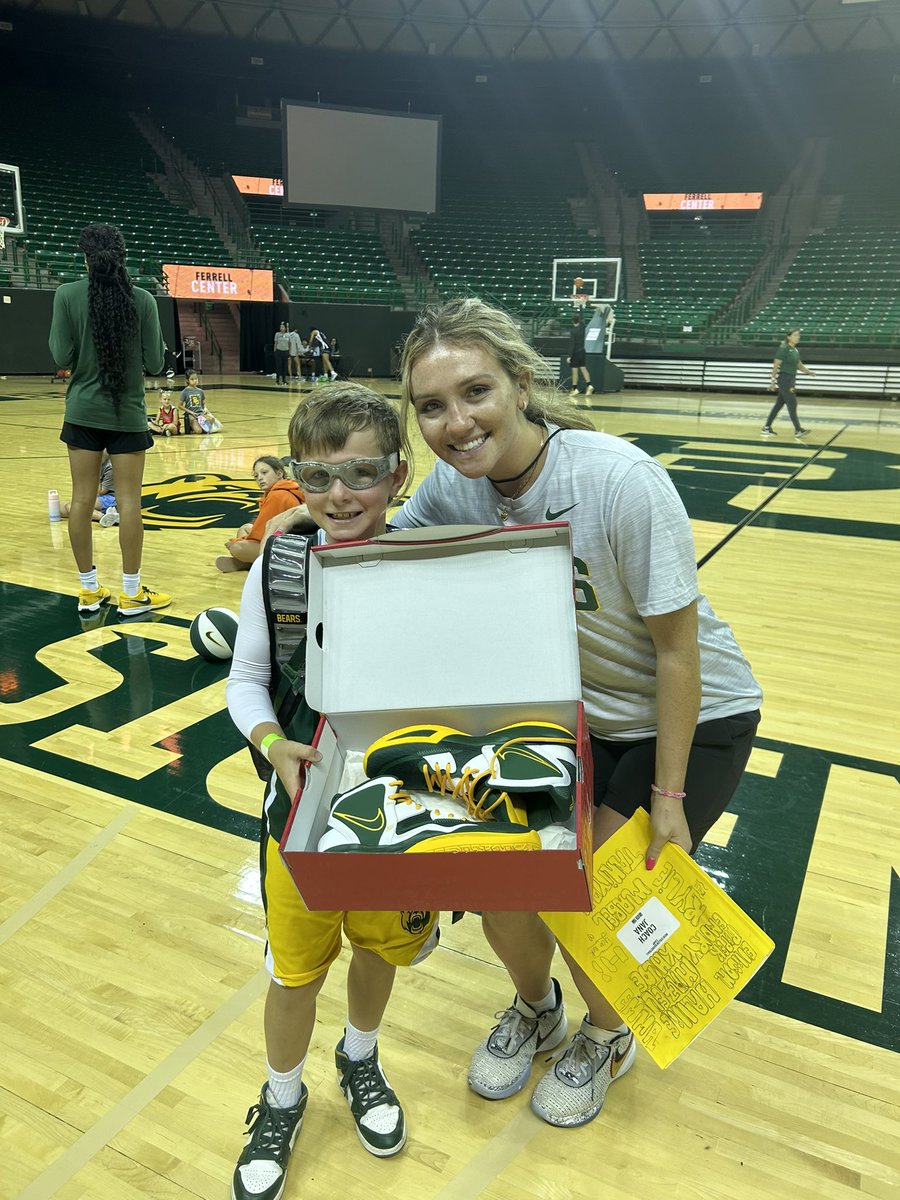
[
  {"x": 600, "y": 279},
  {"x": 11, "y": 198}
]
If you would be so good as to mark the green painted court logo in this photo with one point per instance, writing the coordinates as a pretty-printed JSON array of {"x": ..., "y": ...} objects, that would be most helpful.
[
  {"x": 843, "y": 491},
  {"x": 199, "y": 502}
]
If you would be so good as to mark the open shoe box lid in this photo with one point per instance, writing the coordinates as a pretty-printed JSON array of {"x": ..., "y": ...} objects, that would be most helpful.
[{"x": 442, "y": 618}]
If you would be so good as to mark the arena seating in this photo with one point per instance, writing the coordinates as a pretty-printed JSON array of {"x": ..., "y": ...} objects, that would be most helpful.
[
  {"x": 501, "y": 248},
  {"x": 686, "y": 282},
  {"x": 331, "y": 264},
  {"x": 842, "y": 286},
  {"x": 99, "y": 147}
]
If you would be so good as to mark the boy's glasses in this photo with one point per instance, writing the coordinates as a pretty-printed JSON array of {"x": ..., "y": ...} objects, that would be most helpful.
[{"x": 356, "y": 474}]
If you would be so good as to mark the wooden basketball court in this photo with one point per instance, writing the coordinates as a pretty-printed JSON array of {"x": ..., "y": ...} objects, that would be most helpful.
[{"x": 130, "y": 925}]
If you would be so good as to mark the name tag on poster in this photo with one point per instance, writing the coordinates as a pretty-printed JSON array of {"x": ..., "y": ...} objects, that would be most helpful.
[{"x": 648, "y": 929}]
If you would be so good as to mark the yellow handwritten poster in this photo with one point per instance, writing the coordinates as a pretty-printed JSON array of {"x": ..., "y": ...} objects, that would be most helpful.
[{"x": 667, "y": 948}]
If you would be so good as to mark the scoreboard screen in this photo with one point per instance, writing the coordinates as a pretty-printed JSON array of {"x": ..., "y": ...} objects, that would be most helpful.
[
  {"x": 702, "y": 201},
  {"x": 218, "y": 283},
  {"x": 256, "y": 185}
]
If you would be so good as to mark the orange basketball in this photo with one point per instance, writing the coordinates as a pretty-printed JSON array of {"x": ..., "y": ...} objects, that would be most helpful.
[{"x": 579, "y": 282}]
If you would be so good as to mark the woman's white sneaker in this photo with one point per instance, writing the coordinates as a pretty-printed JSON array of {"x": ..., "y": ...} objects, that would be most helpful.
[
  {"x": 502, "y": 1063},
  {"x": 573, "y": 1090}
]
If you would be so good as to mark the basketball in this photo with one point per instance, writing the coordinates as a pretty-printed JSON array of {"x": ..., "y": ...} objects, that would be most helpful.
[
  {"x": 579, "y": 282},
  {"x": 213, "y": 633}
]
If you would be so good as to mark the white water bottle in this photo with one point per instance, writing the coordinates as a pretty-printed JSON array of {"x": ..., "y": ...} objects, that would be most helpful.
[{"x": 53, "y": 504}]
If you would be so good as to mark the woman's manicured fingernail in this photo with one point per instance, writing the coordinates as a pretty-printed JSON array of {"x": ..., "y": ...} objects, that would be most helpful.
[{"x": 650, "y": 864}]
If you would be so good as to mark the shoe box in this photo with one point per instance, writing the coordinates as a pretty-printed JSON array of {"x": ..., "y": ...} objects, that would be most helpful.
[{"x": 469, "y": 627}]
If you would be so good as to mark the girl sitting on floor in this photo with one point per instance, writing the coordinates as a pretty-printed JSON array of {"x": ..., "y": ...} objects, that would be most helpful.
[{"x": 278, "y": 494}]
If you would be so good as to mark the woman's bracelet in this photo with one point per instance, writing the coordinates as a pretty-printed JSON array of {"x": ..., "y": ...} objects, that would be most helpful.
[
  {"x": 267, "y": 741},
  {"x": 658, "y": 791}
]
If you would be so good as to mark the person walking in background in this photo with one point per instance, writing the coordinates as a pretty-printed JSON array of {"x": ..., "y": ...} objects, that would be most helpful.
[
  {"x": 107, "y": 332},
  {"x": 282, "y": 348},
  {"x": 784, "y": 377}
]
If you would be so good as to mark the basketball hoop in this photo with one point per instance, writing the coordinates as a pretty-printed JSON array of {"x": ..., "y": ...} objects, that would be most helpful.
[
  {"x": 4, "y": 221},
  {"x": 580, "y": 299}
]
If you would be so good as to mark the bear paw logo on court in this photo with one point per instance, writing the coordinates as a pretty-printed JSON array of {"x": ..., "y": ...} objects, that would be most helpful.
[{"x": 199, "y": 501}]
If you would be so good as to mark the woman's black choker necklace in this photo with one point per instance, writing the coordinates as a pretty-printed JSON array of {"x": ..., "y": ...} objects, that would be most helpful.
[
  {"x": 527, "y": 476},
  {"x": 531, "y": 465}
]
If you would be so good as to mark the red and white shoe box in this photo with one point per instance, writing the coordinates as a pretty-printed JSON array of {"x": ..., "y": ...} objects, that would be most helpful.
[{"x": 472, "y": 628}]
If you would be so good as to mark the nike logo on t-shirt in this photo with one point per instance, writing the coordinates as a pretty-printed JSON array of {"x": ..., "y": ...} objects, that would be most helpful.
[{"x": 554, "y": 516}]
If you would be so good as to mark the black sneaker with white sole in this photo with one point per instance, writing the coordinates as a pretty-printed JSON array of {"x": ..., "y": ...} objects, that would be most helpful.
[
  {"x": 261, "y": 1170},
  {"x": 380, "y": 1123}
]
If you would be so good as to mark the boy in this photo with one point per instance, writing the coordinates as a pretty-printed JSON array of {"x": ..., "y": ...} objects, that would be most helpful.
[{"x": 347, "y": 447}]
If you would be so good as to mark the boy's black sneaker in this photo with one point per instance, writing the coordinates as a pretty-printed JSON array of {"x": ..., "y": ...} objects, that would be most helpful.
[
  {"x": 800, "y": 433},
  {"x": 261, "y": 1170},
  {"x": 767, "y": 431},
  {"x": 380, "y": 1123}
]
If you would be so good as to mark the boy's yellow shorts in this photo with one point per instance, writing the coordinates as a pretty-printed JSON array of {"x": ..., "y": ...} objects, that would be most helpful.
[{"x": 303, "y": 944}]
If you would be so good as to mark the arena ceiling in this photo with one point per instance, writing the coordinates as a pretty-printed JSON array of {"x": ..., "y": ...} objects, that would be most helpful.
[{"x": 522, "y": 30}]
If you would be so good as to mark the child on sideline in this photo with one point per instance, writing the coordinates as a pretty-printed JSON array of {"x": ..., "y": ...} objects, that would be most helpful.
[
  {"x": 278, "y": 495},
  {"x": 106, "y": 499},
  {"x": 166, "y": 420},
  {"x": 192, "y": 402},
  {"x": 349, "y": 445}
]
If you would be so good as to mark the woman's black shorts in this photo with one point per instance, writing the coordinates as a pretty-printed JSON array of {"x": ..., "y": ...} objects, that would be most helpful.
[
  {"x": 623, "y": 771},
  {"x": 114, "y": 441}
]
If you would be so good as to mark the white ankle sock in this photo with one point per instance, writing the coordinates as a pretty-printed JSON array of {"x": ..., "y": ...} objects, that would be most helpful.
[
  {"x": 598, "y": 1035},
  {"x": 548, "y": 1002},
  {"x": 131, "y": 584},
  {"x": 359, "y": 1043},
  {"x": 285, "y": 1086},
  {"x": 88, "y": 580}
]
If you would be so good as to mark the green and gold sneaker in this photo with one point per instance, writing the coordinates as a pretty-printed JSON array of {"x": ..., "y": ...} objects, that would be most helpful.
[
  {"x": 530, "y": 765},
  {"x": 377, "y": 816}
]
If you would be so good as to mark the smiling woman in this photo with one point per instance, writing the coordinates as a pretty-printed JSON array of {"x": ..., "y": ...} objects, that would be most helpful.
[{"x": 670, "y": 700}]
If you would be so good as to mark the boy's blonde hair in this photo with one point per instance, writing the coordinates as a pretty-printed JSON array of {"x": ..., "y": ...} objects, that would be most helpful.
[
  {"x": 331, "y": 413},
  {"x": 471, "y": 322}
]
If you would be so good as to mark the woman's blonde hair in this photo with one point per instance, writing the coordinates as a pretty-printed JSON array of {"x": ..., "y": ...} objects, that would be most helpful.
[
  {"x": 332, "y": 412},
  {"x": 471, "y": 322}
]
